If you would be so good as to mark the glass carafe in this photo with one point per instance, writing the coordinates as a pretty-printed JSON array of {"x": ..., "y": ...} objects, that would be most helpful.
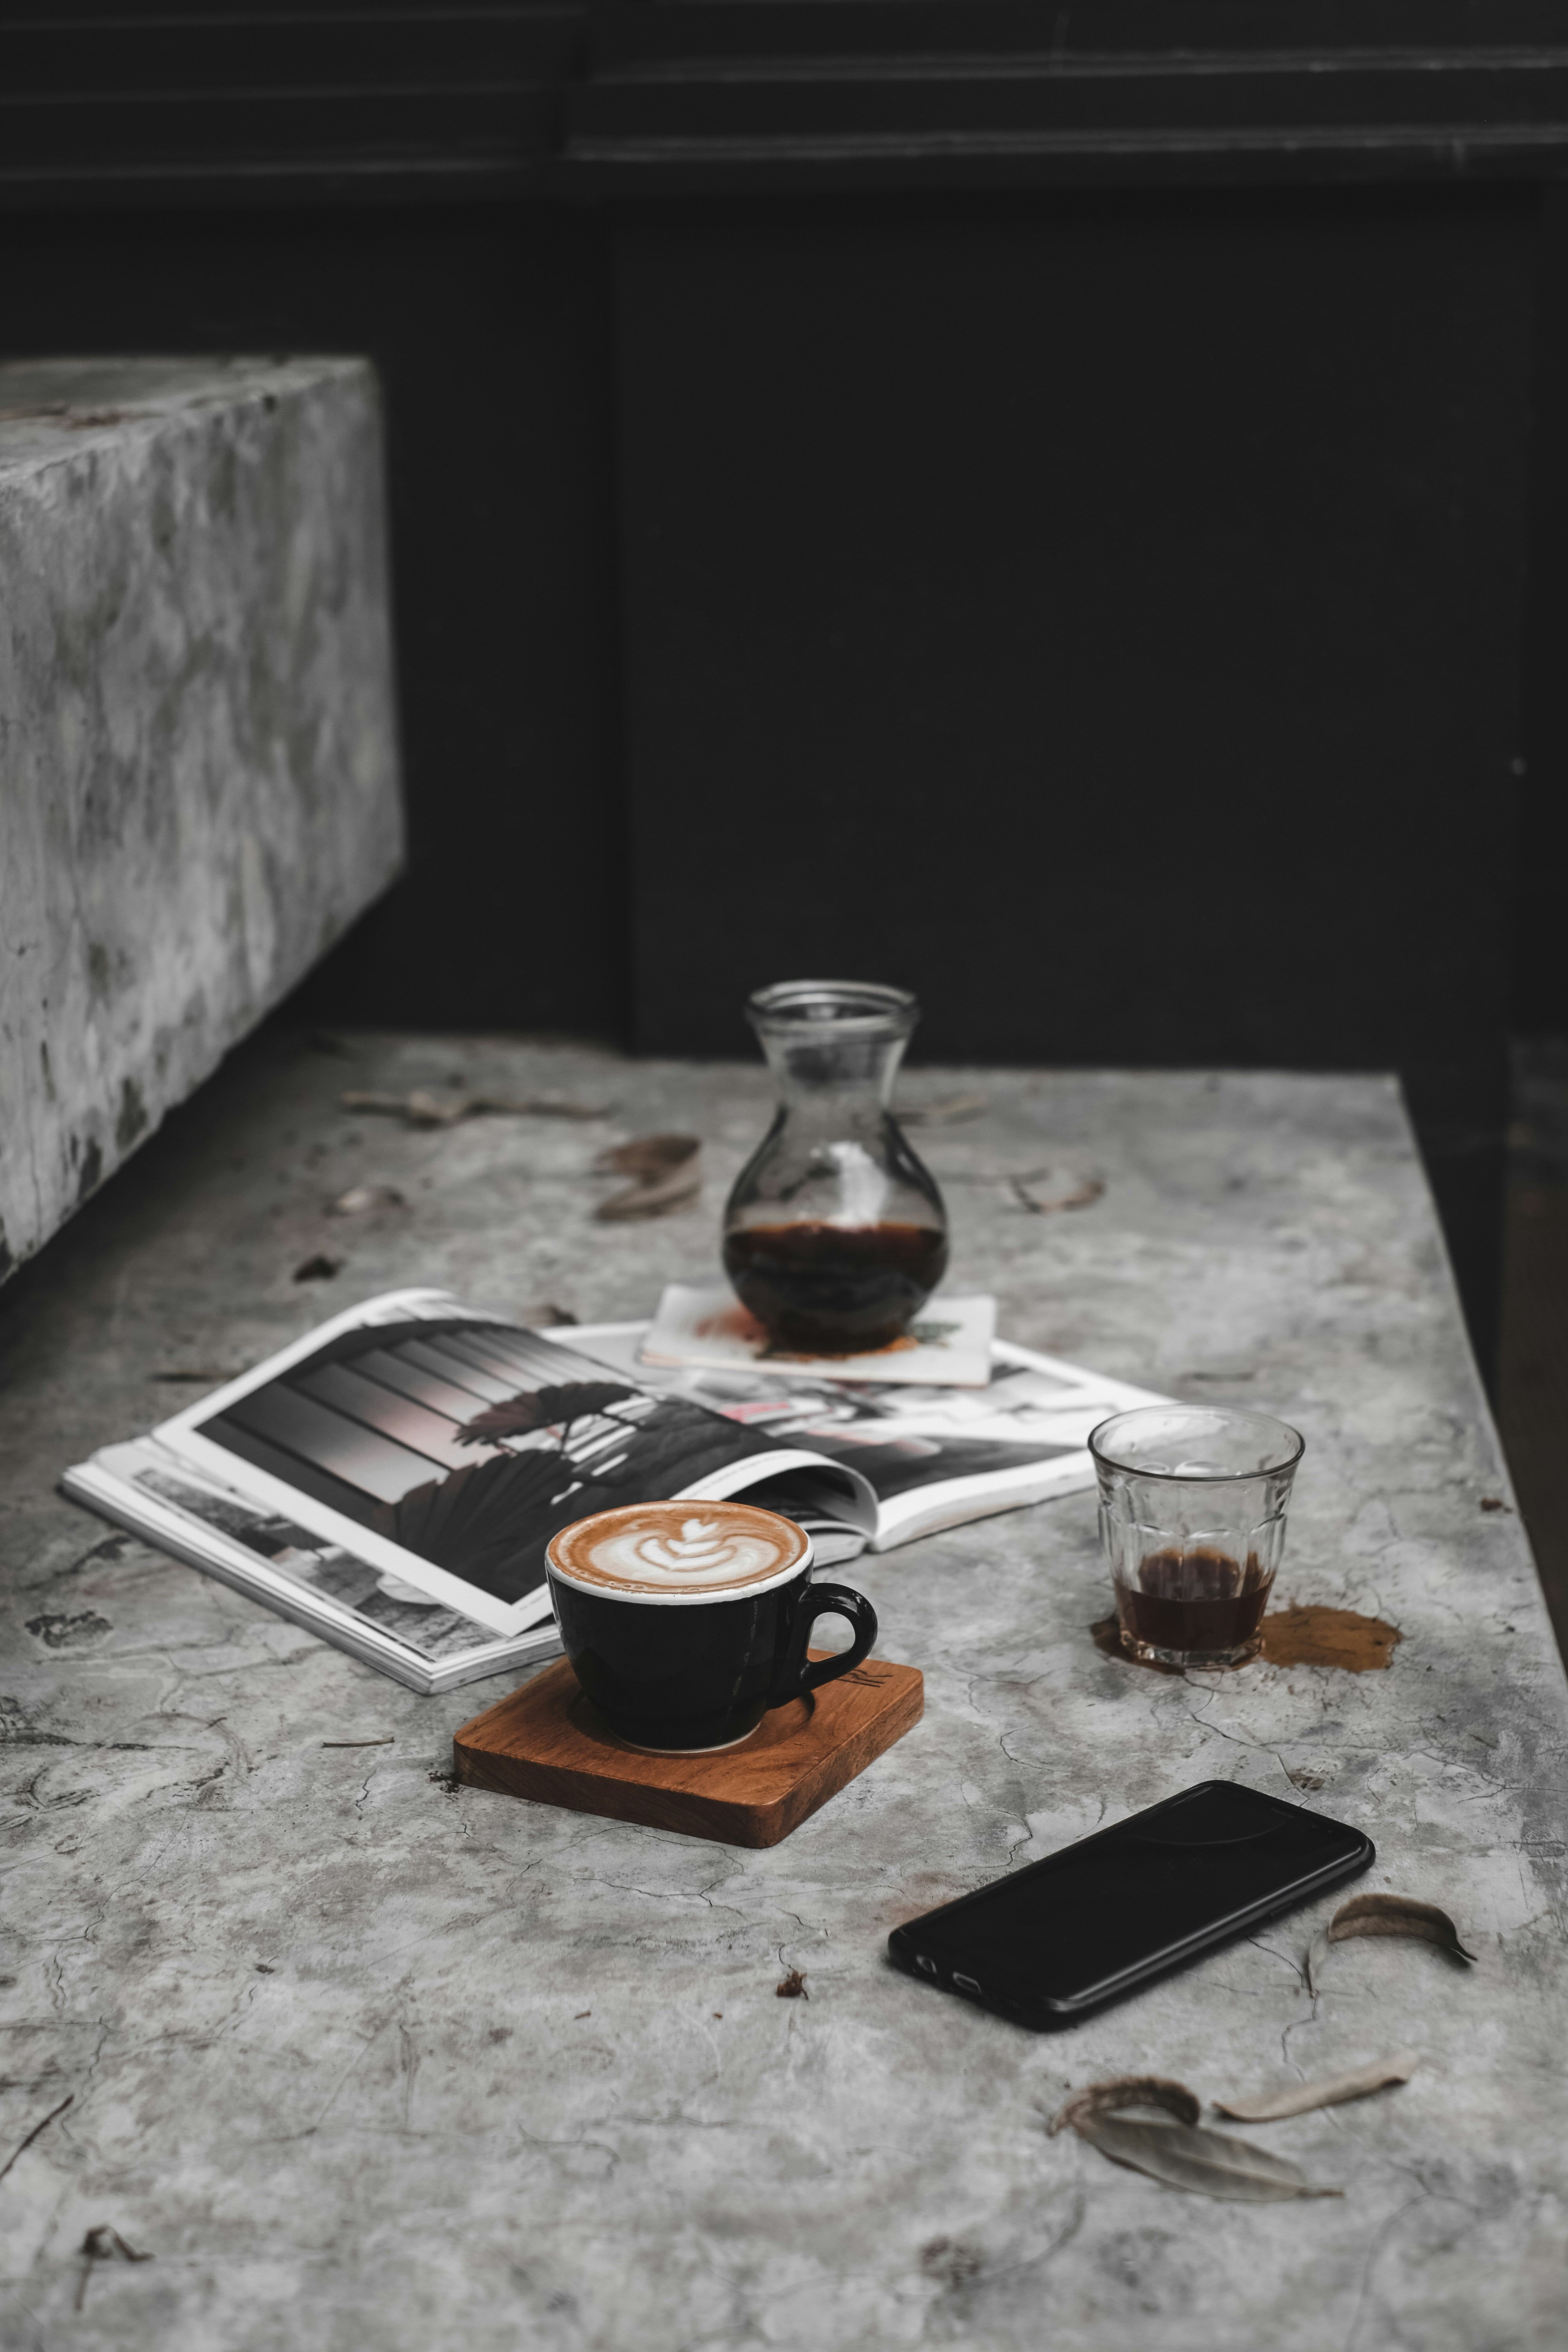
[{"x": 835, "y": 1235}]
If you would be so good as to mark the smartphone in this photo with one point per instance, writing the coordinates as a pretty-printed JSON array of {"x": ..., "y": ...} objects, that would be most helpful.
[{"x": 1064, "y": 1938}]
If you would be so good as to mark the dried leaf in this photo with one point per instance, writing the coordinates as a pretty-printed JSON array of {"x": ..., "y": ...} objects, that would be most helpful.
[
  {"x": 1204, "y": 2163},
  {"x": 392, "y": 1105},
  {"x": 649, "y": 1158},
  {"x": 793, "y": 1987},
  {"x": 1385, "y": 1914},
  {"x": 946, "y": 1111},
  {"x": 104, "y": 2244},
  {"x": 427, "y": 1108},
  {"x": 545, "y": 1106},
  {"x": 1082, "y": 1194},
  {"x": 668, "y": 1173},
  {"x": 1126, "y": 2091},
  {"x": 361, "y": 1197},
  {"x": 320, "y": 1268},
  {"x": 1332, "y": 2091}
]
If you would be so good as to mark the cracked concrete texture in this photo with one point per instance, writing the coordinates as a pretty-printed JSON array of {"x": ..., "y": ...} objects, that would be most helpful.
[
  {"x": 198, "y": 766},
  {"x": 361, "y": 2061}
]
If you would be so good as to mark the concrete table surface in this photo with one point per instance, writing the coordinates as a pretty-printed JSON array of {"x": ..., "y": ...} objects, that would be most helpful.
[{"x": 359, "y": 2061}]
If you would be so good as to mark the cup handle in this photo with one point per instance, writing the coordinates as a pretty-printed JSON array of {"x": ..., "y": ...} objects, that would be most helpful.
[{"x": 826, "y": 1600}]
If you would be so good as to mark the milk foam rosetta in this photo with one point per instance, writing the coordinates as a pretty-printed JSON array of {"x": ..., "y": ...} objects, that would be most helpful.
[{"x": 680, "y": 1548}]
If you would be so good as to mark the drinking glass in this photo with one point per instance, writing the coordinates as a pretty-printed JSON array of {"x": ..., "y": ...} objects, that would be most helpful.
[
  {"x": 1192, "y": 1515},
  {"x": 835, "y": 1235}
]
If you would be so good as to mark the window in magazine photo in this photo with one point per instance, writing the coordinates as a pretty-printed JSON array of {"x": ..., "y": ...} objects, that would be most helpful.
[{"x": 467, "y": 1443}]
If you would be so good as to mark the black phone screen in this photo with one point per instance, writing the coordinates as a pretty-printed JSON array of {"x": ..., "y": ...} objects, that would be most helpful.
[{"x": 1134, "y": 1899}]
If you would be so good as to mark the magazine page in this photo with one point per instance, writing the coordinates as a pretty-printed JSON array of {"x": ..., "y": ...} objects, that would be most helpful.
[
  {"x": 380, "y": 1618},
  {"x": 934, "y": 1456},
  {"x": 444, "y": 1446}
]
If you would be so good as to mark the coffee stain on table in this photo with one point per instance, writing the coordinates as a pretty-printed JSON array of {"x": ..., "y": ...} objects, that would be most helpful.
[
  {"x": 1312, "y": 1636},
  {"x": 1328, "y": 1637}
]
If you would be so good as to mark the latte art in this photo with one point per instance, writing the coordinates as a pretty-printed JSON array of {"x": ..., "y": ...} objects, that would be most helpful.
[
  {"x": 680, "y": 1548},
  {"x": 700, "y": 1546}
]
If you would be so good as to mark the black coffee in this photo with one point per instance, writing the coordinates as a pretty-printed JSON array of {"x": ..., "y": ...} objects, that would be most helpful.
[
  {"x": 1197, "y": 1601},
  {"x": 835, "y": 1289}
]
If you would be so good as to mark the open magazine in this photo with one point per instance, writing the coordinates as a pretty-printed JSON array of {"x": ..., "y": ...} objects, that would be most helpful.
[
  {"x": 392, "y": 1479},
  {"x": 932, "y": 1456}
]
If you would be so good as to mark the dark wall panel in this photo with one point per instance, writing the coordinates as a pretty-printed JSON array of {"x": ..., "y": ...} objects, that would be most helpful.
[
  {"x": 491, "y": 327},
  {"x": 1145, "y": 589},
  {"x": 1540, "y": 932},
  {"x": 1099, "y": 615}
]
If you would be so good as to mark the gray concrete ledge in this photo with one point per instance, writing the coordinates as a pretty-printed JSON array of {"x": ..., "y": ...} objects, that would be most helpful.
[{"x": 198, "y": 768}]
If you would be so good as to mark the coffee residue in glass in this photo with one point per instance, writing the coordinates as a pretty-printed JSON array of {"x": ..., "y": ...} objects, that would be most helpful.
[{"x": 1200, "y": 1600}]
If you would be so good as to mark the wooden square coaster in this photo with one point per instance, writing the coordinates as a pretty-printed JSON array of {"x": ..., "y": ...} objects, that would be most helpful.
[{"x": 548, "y": 1743}]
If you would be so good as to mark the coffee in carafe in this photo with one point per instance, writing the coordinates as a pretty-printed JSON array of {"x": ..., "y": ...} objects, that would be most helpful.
[
  {"x": 826, "y": 1288},
  {"x": 835, "y": 1235}
]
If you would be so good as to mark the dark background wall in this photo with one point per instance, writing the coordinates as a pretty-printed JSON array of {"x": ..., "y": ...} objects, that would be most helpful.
[
  {"x": 1055, "y": 521},
  {"x": 490, "y": 327}
]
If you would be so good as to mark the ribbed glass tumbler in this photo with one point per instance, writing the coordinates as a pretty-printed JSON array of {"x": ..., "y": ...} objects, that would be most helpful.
[{"x": 1192, "y": 1515}]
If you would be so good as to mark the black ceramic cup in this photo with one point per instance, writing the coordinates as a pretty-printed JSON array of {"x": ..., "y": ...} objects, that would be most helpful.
[{"x": 687, "y": 1622}]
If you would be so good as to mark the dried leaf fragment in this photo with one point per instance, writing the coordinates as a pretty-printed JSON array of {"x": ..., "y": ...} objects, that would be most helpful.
[
  {"x": 793, "y": 1987},
  {"x": 320, "y": 1268},
  {"x": 946, "y": 1111},
  {"x": 648, "y": 1157},
  {"x": 1385, "y": 1914},
  {"x": 104, "y": 2244},
  {"x": 1083, "y": 1193},
  {"x": 361, "y": 1197},
  {"x": 550, "y": 1106},
  {"x": 426, "y": 1106},
  {"x": 1332, "y": 2091},
  {"x": 667, "y": 1171},
  {"x": 1203, "y": 2163},
  {"x": 1126, "y": 2091}
]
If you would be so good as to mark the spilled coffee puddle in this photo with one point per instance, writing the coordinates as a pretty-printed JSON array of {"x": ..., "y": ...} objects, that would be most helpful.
[
  {"x": 1328, "y": 1637},
  {"x": 1292, "y": 1637}
]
